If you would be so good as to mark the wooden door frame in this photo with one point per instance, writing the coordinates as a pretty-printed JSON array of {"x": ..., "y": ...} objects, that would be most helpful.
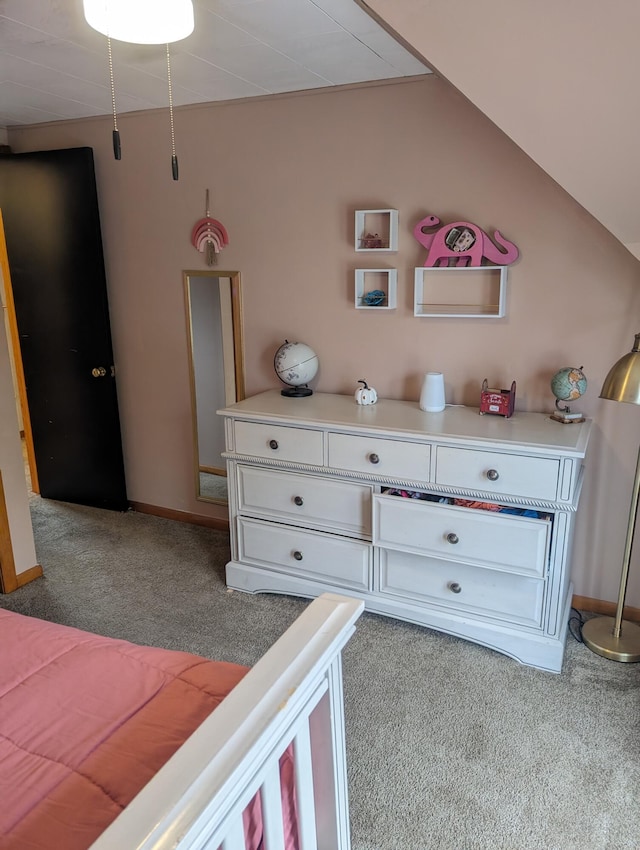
[{"x": 14, "y": 343}]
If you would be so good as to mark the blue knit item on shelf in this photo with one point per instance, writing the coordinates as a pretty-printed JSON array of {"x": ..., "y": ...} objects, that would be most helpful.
[{"x": 374, "y": 298}]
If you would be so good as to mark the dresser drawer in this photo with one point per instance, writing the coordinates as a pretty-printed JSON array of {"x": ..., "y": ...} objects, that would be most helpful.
[
  {"x": 495, "y": 472},
  {"x": 305, "y": 554},
  {"x": 461, "y": 587},
  {"x": 499, "y": 541},
  {"x": 392, "y": 458},
  {"x": 279, "y": 442},
  {"x": 343, "y": 507}
]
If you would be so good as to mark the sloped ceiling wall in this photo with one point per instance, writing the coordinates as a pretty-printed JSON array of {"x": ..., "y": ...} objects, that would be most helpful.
[{"x": 559, "y": 78}]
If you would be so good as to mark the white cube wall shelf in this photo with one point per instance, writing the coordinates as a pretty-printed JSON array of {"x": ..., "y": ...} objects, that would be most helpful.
[
  {"x": 472, "y": 292},
  {"x": 376, "y": 231},
  {"x": 368, "y": 280}
]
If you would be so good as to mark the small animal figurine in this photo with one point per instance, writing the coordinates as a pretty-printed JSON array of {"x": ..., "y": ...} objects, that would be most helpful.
[{"x": 366, "y": 394}]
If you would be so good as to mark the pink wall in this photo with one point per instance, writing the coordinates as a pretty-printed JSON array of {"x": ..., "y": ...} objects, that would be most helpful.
[
  {"x": 557, "y": 78},
  {"x": 286, "y": 175}
]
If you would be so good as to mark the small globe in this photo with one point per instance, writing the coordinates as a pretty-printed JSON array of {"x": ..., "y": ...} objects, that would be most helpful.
[
  {"x": 569, "y": 384},
  {"x": 296, "y": 364}
]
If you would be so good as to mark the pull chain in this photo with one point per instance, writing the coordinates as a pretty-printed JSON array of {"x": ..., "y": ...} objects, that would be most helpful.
[
  {"x": 174, "y": 158},
  {"x": 116, "y": 133}
]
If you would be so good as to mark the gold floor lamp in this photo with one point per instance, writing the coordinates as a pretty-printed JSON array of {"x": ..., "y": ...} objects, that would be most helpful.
[{"x": 614, "y": 637}]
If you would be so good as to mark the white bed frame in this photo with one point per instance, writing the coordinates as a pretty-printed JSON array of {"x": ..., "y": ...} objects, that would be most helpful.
[{"x": 293, "y": 694}]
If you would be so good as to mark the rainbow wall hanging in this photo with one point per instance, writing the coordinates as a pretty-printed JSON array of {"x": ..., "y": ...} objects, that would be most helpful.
[{"x": 209, "y": 236}]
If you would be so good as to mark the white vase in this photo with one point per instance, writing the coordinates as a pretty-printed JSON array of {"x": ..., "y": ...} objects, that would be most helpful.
[{"x": 432, "y": 393}]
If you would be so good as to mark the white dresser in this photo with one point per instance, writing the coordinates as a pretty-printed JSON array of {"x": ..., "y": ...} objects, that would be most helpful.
[{"x": 381, "y": 502}]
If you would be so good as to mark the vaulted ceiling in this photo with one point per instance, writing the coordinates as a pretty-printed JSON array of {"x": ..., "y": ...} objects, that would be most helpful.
[{"x": 560, "y": 78}]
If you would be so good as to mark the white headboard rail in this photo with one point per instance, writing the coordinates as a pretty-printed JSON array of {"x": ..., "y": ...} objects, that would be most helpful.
[{"x": 293, "y": 694}]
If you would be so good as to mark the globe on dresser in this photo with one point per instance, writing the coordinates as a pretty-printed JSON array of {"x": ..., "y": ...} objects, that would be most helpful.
[
  {"x": 568, "y": 384},
  {"x": 296, "y": 364}
]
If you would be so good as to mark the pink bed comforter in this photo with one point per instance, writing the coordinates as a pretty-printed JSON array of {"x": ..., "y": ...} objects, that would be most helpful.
[{"x": 85, "y": 722}]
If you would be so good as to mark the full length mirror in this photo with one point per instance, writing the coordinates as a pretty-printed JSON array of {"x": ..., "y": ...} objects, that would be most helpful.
[{"x": 214, "y": 326}]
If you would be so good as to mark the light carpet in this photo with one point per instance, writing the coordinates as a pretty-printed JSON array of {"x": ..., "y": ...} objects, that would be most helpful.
[{"x": 450, "y": 746}]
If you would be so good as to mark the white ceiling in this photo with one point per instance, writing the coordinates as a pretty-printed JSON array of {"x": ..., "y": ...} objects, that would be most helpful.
[{"x": 53, "y": 66}]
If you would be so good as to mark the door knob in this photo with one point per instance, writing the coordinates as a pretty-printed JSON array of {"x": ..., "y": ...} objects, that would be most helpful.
[{"x": 98, "y": 372}]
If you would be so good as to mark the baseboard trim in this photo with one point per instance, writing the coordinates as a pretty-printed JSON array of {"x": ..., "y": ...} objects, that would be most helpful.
[
  {"x": 219, "y": 523},
  {"x": 29, "y": 575},
  {"x": 598, "y": 606}
]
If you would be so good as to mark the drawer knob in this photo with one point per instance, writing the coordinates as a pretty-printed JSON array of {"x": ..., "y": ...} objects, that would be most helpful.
[
  {"x": 454, "y": 587},
  {"x": 493, "y": 474},
  {"x": 298, "y": 500},
  {"x": 297, "y": 555},
  {"x": 373, "y": 458},
  {"x": 273, "y": 444},
  {"x": 452, "y": 538}
]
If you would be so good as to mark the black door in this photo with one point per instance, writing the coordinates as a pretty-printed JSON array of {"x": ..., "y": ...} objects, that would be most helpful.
[{"x": 52, "y": 228}]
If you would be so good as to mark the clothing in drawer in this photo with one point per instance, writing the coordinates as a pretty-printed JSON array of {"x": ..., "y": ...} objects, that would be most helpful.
[
  {"x": 278, "y": 442},
  {"x": 379, "y": 456},
  {"x": 462, "y": 588},
  {"x": 495, "y": 472},
  {"x": 485, "y": 538},
  {"x": 343, "y": 507},
  {"x": 306, "y": 554}
]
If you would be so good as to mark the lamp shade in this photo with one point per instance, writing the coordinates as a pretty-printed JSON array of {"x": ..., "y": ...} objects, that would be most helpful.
[
  {"x": 141, "y": 21},
  {"x": 623, "y": 381}
]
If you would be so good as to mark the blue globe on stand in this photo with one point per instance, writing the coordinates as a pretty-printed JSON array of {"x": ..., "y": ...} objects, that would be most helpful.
[{"x": 568, "y": 384}]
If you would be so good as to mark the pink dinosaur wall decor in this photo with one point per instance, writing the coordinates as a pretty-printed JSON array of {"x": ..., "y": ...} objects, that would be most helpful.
[{"x": 462, "y": 244}]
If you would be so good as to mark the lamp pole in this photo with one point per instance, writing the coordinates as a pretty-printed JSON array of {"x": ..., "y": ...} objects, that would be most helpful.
[
  {"x": 612, "y": 637},
  {"x": 609, "y": 636}
]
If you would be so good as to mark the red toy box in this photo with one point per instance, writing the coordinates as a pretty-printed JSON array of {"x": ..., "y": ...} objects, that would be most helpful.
[{"x": 499, "y": 402}]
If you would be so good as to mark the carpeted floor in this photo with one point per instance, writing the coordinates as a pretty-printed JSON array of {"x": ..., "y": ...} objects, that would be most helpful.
[{"x": 451, "y": 746}]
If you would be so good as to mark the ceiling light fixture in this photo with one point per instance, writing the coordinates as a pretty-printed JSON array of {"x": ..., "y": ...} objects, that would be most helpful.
[{"x": 141, "y": 22}]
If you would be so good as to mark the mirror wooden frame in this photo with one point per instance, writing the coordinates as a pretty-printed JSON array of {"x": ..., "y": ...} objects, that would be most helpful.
[{"x": 232, "y": 366}]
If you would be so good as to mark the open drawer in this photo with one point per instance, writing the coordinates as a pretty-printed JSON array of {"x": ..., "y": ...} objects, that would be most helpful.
[{"x": 484, "y": 538}]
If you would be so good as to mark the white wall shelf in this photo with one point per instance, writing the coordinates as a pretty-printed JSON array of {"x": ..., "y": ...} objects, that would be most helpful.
[
  {"x": 472, "y": 292},
  {"x": 376, "y": 231},
  {"x": 372, "y": 280}
]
